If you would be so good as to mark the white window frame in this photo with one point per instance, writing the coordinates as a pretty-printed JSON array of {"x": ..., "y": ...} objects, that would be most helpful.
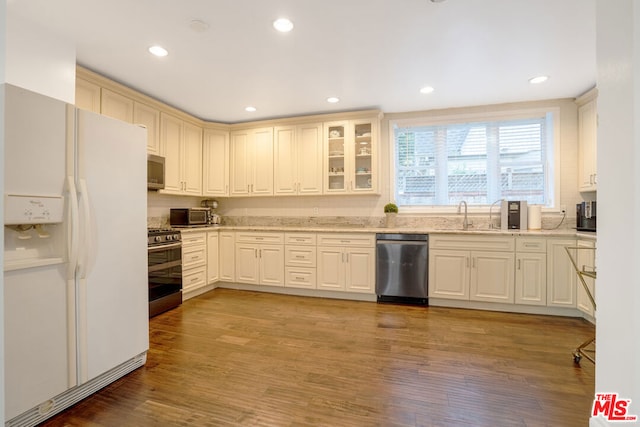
[{"x": 553, "y": 166}]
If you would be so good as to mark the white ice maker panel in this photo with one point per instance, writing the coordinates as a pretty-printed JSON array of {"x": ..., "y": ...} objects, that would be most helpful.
[{"x": 24, "y": 209}]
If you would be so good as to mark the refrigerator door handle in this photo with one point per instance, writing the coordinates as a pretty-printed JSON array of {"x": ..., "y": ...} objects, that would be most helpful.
[
  {"x": 87, "y": 230},
  {"x": 74, "y": 229}
]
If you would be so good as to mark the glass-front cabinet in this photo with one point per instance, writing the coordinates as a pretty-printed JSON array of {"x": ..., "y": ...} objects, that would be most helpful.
[{"x": 350, "y": 153}]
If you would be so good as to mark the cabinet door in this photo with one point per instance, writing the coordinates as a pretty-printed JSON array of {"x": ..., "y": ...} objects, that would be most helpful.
[
  {"x": 360, "y": 270},
  {"x": 87, "y": 96},
  {"x": 331, "y": 270},
  {"x": 335, "y": 164},
  {"x": 247, "y": 270},
  {"x": 285, "y": 170},
  {"x": 227, "y": 256},
  {"x": 309, "y": 159},
  {"x": 150, "y": 118},
  {"x": 117, "y": 106},
  {"x": 449, "y": 274},
  {"x": 213, "y": 253},
  {"x": 586, "y": 262},
  {"x": 192, "y": 160},
  {"x": 262, "y": 162},
  {"x": 239, "y": 159},
  {"x": 492, "y": 277},
  {"x": 170, "y": 137},
  {"x": 215, "y": 160},
  {"x": 362, "y": 156},
  {"x": 531, "y": 278},
  {"x": 271, "y": 265},
  {"x": 561, "y": 276},
  {"x": 587, "y": 137}
]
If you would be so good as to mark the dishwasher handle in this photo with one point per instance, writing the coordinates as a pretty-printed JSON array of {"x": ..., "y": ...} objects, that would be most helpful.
[{"x": 401, "y": 242}]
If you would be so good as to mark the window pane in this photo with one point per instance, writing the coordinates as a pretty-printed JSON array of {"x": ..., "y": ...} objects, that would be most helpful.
[{"x": 476, "y": 162}]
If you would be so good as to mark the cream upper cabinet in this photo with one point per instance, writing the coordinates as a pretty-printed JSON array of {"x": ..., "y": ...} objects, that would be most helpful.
[
  {"x": 350, "y": 153},
  {"x": 298, "y": 160},
  {"x": 561, "y": 276},
  {"x": 114, "y": 105},
  {"x": 87, "y": 96},
  {"x": 251, "y": 158},
  {"x": 587, "y": 141},
  {"x": 181, "y": 145},
  {"x": 215, "y": 158},
  {"x": 150, "y": 118}
]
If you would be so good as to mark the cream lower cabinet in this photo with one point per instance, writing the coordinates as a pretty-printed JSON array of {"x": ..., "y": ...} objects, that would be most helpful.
[
  {"x": 259, "y": 258},
  {"x": 561, "y": 276},
  {"x": 300, "y": 260},
  {"x": 227, "y": 248},
  {"x": 531, "y": 271},
  {"x": 346, "y": 262},
  {"x": 194, "y": 262},
  {"x": 213, "y": 257},
  {"x": 476, "y": 269},
  {"x": 585, "y": 259}
]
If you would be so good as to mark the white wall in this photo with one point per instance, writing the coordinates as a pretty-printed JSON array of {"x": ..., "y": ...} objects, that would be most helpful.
[
  {"x": 618, "y": 286},
  {"x": 3, "y": 15},
  {"x": 38, "y": 60}
]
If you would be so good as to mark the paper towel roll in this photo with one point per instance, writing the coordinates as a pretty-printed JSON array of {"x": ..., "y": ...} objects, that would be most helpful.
[{"x": 534, "y": 217}]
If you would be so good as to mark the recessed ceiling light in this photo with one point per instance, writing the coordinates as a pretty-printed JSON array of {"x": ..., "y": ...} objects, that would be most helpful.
[
  {"x": 283, "y": 25},
  {"x": 333, "y": 100},
  {"x": 250, "y": 109},
  {"x": 158, "y": 51},
  {"x": 538, "y": 79},
  {"x": 198, "y": 26},
  {"x": 426, "y": 89}
]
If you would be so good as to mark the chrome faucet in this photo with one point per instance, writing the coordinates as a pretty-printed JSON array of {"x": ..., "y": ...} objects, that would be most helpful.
[
  {"x": 491, "y": 212},
  {"x": 465, "y": 222}
]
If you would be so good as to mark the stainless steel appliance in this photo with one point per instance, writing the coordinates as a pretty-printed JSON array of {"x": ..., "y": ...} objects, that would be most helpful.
[
  {"x": 189, "y": 217},
  {"x": 155, "y": 172},
  {"x": 586, "y": 216},
  {"x": 513, "y": 215},
  {"x": 165, "y": 270},
  {"x": 402, "y": 268}
]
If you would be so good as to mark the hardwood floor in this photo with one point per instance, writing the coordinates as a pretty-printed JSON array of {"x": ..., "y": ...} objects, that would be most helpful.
[{"x": 232, "y": 358}]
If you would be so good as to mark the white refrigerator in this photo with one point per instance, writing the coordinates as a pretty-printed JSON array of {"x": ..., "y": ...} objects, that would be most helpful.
[{"x": 75, "y": 274}]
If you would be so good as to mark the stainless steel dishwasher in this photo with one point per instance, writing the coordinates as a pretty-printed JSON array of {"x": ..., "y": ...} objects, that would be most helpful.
[{"x": 402, "y": 268}]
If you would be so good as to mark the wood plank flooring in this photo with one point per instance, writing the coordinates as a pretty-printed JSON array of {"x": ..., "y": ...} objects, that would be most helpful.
[{"x": 230, "y": 358}]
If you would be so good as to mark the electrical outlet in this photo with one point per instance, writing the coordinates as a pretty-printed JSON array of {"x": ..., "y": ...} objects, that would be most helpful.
[
  {"x": 563, "y": 209},
  {"x": 315, "y": 211}
]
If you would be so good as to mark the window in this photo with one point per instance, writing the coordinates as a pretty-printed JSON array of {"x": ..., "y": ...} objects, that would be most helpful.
[{"x": 478, "y": 161}]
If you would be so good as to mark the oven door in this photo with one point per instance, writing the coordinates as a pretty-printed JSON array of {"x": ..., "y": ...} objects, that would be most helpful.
[{"x": 165, "y": 277}]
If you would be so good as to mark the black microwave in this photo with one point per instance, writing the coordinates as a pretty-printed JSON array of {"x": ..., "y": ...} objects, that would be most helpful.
[
  {"x": 188, "y": 217},
  {"x": 155, "y": 172}
]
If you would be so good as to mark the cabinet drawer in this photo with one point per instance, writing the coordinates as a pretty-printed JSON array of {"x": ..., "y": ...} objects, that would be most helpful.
[
  {"x": 194, "y": 279},
  {"x": 358, "y": 240},
  {"x": 483, "y": 243},
  {"x": 300, "y": 277},
  {"x": 300, "y": 239},
  {"x": 304, "y": 256},
  {"x": 269, "y": 238},
  {"x": 193, "y": 257},
  {"x": 191, "y": 239},
  {"x": 530, "y": 244}
]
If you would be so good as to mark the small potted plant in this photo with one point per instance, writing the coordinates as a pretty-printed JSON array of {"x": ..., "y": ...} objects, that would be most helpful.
[{"x": 390, "y": 211}]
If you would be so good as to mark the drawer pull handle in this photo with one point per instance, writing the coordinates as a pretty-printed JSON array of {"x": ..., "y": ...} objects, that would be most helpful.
[
  {"x": 194, "y": 279},
  {"x": 299, "y": 256},
  {"x": 300, "y": 278}
]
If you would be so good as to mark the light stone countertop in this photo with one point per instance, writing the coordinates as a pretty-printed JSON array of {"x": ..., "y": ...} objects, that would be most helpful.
[{"x": 568, "y": 233}]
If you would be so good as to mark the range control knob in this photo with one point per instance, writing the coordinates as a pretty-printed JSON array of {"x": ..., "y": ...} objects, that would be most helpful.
[
  {"x": 169, "y": 237},
  {"x": 176, "y": 237},
  {"x": 157, "y": 239}
]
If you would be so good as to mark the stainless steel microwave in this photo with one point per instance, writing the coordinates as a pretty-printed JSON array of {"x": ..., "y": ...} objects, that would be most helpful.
[
  {"x": 155, "y": 172},
  {"x": 188, "y": 217}
]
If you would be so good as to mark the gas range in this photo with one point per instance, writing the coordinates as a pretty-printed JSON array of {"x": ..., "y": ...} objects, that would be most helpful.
[{"x": 162, "y": 236}]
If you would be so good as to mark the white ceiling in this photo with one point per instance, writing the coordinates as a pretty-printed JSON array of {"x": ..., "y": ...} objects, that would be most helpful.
[{"x": 369, "y": 53}]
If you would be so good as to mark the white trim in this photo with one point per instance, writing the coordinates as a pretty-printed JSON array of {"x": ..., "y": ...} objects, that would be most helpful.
[{"x": 525, "y": 113}]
